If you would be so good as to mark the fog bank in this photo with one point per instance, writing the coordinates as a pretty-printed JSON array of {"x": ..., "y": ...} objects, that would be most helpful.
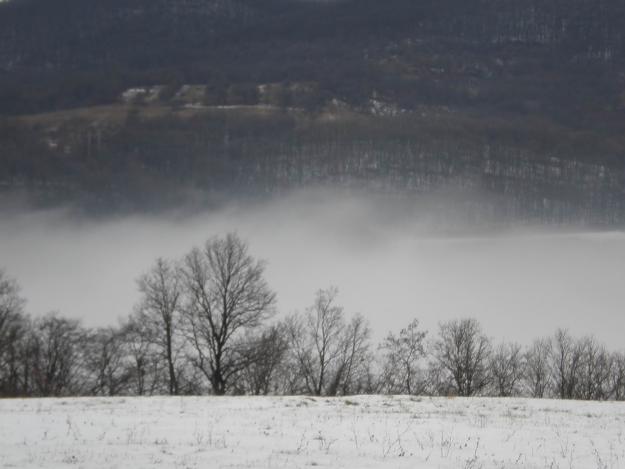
[{"x": 388, "y": 263}]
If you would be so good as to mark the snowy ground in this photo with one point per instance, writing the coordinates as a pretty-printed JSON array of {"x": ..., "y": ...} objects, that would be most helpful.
[{"x": 297, "y": 432}]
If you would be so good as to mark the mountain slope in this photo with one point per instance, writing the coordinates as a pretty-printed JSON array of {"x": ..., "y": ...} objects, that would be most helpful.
[{"x": 518, "y": 104}]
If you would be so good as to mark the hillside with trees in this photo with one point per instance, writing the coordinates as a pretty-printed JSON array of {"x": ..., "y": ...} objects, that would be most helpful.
[{"x": 519, "y": 106}]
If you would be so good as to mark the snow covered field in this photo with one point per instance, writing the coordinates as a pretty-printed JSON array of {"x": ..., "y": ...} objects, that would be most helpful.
[{"x": 297, "y": 432}]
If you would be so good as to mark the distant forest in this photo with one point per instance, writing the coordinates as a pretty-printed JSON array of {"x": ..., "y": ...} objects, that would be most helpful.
[
  {"x": 207, "y": 324},
  {"x": 518, "y": 105},
  {"x": 564, "y": 54}
]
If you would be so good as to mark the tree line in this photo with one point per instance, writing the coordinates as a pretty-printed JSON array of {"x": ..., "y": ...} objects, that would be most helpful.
[
  {"x": 530, "y": 170},
  {"x": 207, "y": 324}
]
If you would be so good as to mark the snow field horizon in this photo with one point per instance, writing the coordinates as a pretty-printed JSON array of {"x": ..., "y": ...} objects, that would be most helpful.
[{"x": 292, "y": 432}]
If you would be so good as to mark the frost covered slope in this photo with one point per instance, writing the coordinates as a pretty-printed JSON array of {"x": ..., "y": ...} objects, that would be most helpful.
[{"x": 360, "y": 432}]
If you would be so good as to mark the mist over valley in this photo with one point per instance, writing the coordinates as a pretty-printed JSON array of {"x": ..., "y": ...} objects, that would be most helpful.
[{"x": 391, "y": 260}]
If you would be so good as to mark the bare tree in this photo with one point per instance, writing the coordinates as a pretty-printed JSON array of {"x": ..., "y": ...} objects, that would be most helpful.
[
  {"x": 55, "y": 348},
  {"x": 268, "y": 355},
  {"x": 352, "y": 373},
  {"x": 15, "y": 377},
  {"x": 595, "y": 371},
  {"x": 537, "y": 369},
  {"x": 13, "y": 330},
  {"x": 316, "y": 338},
  {"x": 226, "y": 295},
  {"x": 617, "y": 378},
  {"x": 159, "y": 313},
  {"x": 289, "y": 376},
  {"x": 11, "y": 305},
  {"x": 462, "y": 350},
  {"x": 506, "y": 369},
  {"x": 106, "y": 363},
  {"x": 144, "y": 363},
  {"x": 566, "y": 364},
  {"x": 401, "y": 364},
  {"x": 331, "y": 356}
]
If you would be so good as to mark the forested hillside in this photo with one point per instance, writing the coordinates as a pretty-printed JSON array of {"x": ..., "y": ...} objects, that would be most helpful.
[{"x": 517, "y": 105}]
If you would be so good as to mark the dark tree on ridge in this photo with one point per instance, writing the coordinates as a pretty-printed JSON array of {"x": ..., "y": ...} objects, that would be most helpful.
[{"x": 226, "y": 295}]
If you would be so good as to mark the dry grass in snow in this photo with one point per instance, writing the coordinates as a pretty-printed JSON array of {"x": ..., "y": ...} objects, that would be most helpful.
[{"x": 297, "y": 432}]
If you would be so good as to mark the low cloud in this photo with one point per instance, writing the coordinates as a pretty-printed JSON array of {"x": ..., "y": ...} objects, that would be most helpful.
[{"x": 388, "y": 258}]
